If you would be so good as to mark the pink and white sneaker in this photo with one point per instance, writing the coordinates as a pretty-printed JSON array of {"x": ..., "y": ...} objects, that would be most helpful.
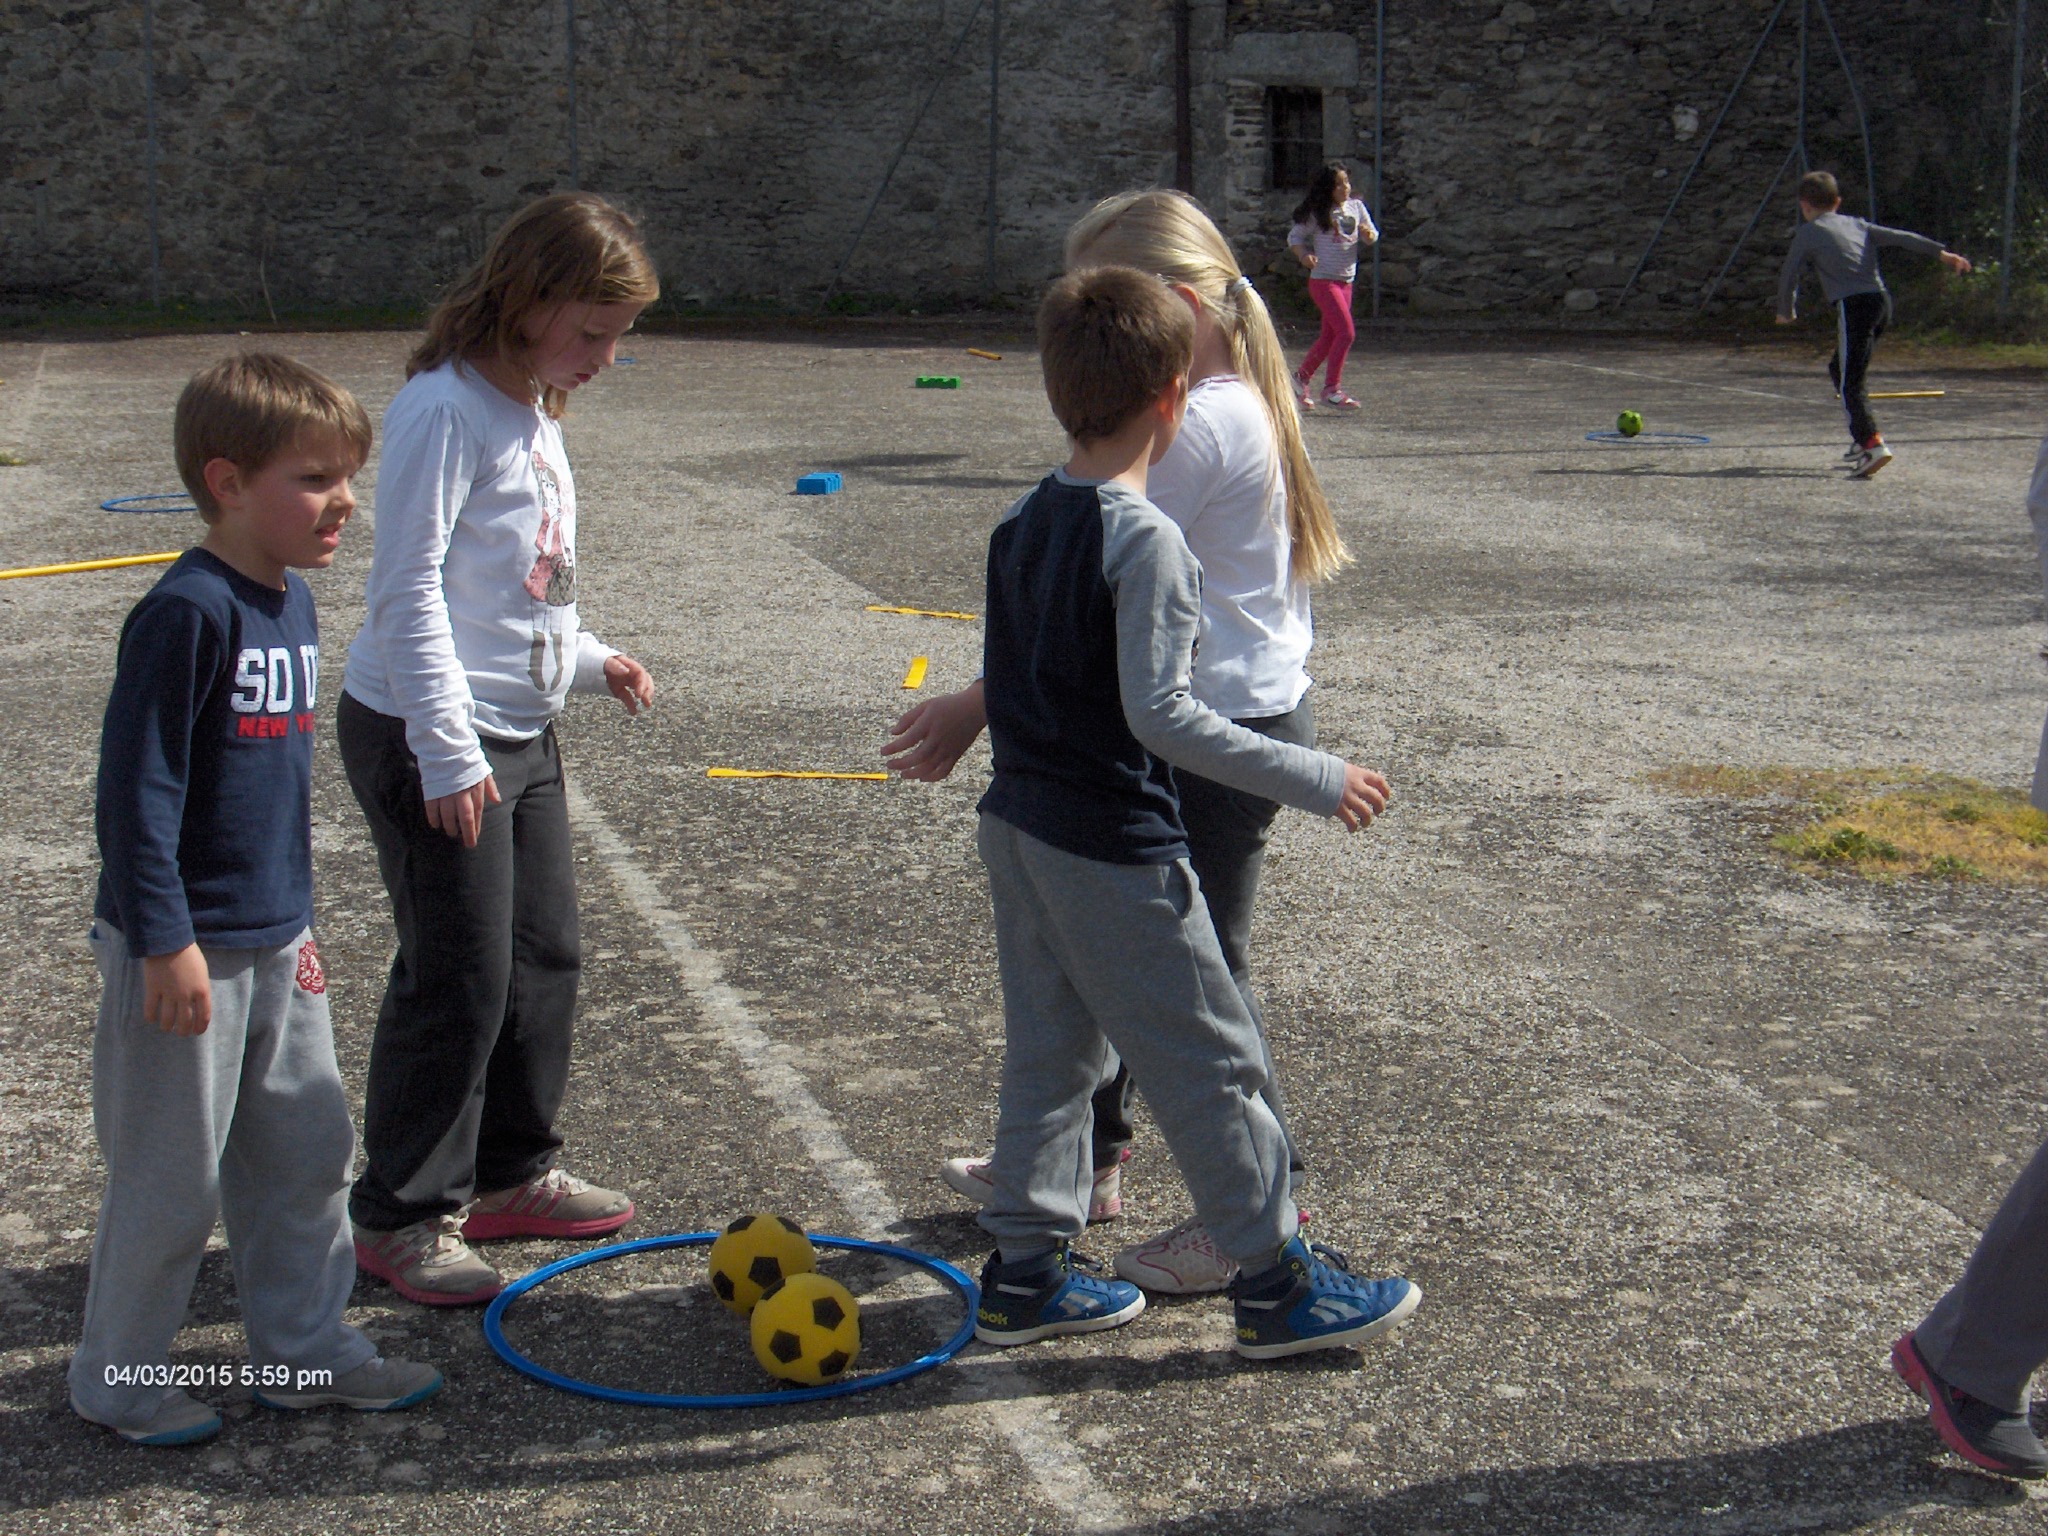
[
  {"x": 556, "y": 1204},
  {"x": 1337, "y": 400},
  {"x": 1182, "y": 1261},
  {"x": 969, "y": 1176},
  {"x": 1304, "y": 393}
]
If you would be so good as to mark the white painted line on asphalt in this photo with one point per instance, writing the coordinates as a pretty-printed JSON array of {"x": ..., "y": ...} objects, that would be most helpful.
[
  {"x": 1630, "y": 373},
  {"x": 1006, "y": 1393}
]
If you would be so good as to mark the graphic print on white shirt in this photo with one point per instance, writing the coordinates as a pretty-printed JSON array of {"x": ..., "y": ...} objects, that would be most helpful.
[{"x": 552, "y": 581}]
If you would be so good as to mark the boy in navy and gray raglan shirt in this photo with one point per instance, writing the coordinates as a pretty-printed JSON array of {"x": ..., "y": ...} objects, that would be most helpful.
[
  {"x": 1105, "y": 946},
  {"x": 215, "y": 1091},
  {"x": 1843, "y": 252}
]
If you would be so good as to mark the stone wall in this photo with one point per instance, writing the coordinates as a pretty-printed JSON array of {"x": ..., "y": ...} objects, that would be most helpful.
[
  {"x": 355, "y": 152},
  {"x": 1532, "y": 150}
]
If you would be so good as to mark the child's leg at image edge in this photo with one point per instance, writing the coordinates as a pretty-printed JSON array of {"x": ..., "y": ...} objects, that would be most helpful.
[
  {"x": 163, "y": 1107},
  {"x": 1082, "y": 942},
  {"x": 1989, "y": 1334}
]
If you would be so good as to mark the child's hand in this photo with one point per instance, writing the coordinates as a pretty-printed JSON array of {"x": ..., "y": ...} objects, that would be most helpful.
[
  {"x": 629, "y": 683},
  {"x": 1365, "y": 796},
  {"x": 930, "y": 738},
  {"x": 462, "y": 813},
  {"x": 1954, "y": 262},
  {"x": 177, "y": 993}
]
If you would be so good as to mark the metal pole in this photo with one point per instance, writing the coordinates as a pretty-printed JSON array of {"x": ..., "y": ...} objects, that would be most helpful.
[
  {"x": 1379, "y": 124},
  {"x": 156, "y": 264},
  {"x": 2012, "y": 156},
  {"x": 569, "y": 19},
  {"x": 910, "y": 133},
  {"x": 1804, "y": 7},
  {"x": 1183, "y": 109},
  {"x": 1705, "y": 144},
  {"x": 1855, "y": 97},
  {"x": 995, "y": 72},
  {"x": 1748, "y": 229}
]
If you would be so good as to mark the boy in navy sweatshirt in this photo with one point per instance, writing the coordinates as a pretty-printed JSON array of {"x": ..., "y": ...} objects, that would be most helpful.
[
  {"x": 1105, "y": 946},
  {"x": 215, "y": 1092},
  {"x": 1843, "y": 253}
]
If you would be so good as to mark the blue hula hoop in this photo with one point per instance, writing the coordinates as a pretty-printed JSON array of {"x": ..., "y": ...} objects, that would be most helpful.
[
  {"x": 1652, "y": 439},
  {"x": 494, "y": 1330},
  {"x": 178, "y": 500}
]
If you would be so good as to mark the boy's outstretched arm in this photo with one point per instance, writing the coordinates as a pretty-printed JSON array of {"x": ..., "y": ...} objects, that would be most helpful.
[{"x": 929, "y": 738}]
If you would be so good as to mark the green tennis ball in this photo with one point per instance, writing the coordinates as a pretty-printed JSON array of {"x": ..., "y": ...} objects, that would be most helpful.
[{"x": 1629, "y": 423}]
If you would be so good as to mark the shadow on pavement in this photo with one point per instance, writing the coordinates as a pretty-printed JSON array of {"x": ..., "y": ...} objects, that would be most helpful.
[{"x": 1839, "y": 1480}]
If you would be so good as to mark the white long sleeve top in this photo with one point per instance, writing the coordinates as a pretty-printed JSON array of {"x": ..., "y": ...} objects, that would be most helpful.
[{"x": 472, "y": 621}]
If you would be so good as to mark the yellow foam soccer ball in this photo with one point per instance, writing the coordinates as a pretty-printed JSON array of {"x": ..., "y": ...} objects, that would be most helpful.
[
  {"x": 754, "y": 1255},
  {"x": 1628, "y": 423},
  {"x": 807, "y": 1329}
]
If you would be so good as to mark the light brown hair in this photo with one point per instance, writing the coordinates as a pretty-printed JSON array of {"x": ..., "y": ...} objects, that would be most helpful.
[
  {"x": 1817, "y": 189},
  {"x": 1168, "y": 233},
  {"x": 252, "y": 406},
  {"x": 1111, "y": 341},
  {"x": 566, "y": 248}
]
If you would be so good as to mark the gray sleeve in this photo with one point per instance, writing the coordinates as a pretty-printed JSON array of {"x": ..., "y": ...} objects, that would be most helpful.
[
  {"x": 1788, "y": 276},
  {"x": 1905, "y": 239},
  {"x": 1157, "y": 586}
]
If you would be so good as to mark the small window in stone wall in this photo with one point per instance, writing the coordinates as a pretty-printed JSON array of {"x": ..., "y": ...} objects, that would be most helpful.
[{"x": 1294, "y": 132}]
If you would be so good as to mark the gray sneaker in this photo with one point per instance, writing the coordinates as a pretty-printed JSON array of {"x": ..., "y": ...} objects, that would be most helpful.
[
  {"x": 428, "y": 1262},
  {"x": 375, "y": 1386},
  {"x": 556, "y": 1204},
  {"x": 180, "y": 1419}
]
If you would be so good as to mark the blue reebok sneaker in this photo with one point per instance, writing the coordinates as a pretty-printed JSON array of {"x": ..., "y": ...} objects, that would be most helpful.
[
  {"x": 1311, "y": 1300},
  {"x": 1035, "y": 1300}
]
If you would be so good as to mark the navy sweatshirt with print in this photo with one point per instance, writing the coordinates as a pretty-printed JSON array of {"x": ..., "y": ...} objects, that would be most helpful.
[
  {"x": 1094, "y": 604},
  {"x": 206, "y": 763}
]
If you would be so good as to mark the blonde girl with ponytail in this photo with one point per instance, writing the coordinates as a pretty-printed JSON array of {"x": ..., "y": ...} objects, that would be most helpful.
[{"x": 1238, "y": 482}]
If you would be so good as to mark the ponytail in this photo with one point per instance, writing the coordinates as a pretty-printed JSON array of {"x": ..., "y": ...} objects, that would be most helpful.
[{"x": 1168, "y": 233}]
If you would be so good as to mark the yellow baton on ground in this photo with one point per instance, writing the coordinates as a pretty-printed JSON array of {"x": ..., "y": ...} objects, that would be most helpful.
[
  {"x": 923, "y": 613},
  {"x": 91, "y": 565},
  {"x": 787, "y": 773},
  {"x": 914, "y": 678}
]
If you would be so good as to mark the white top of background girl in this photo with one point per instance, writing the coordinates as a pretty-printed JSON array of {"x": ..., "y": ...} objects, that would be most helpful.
[
  {"x": 472, "y": 595},
  {"x": 1336, "y": 248},
  {"x": 1221, "y": 483}
]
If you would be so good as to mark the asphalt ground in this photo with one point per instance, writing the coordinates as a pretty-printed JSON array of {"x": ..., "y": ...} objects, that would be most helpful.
[{"x": 1675, "y": 1138}]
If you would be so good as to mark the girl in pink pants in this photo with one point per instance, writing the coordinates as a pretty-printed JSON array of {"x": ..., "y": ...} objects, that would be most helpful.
[{"x": 1329, "y": 227}]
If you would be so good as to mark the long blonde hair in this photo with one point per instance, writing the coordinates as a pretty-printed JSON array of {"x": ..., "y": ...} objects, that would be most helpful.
[
  {"x": 1168, "y": 233},
  {"x": 566, "y": 248}
]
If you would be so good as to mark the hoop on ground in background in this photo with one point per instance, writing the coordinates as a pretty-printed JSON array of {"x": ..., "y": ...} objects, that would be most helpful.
[
  {"x": 163, "y": 501},
  {"x": 1652, "y": 439},
  {"x": 494, "y": 1328}
]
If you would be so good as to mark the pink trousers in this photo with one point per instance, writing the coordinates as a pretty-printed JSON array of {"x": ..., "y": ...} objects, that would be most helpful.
[{"x": 1338, "y": 332}]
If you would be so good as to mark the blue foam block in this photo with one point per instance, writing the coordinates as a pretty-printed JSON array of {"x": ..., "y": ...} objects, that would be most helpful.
[{"x": 823, "y": 483}]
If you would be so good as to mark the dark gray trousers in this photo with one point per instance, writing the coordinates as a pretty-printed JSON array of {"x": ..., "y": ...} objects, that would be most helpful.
[
  {"x": 470, "y": 1060},
  {"x": 1228, "y": 831},
  {"x": 1989, "y": 1334}
]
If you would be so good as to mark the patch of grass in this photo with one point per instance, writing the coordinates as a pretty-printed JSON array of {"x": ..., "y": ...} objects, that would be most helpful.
[
  {"x": 11, "y": 460},
  {"x": 1884, "y": 823}
]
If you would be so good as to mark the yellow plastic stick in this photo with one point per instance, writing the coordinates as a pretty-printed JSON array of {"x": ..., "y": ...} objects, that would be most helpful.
[
  {"x": 1907, "y": 394},
  {"x": 914, "y": 678},
  {"x": 786, "y": 773},
  {"x": 91, "y": 565},
  {"x": 923, "y": 613},
  {"x": 994, "y": 357}
]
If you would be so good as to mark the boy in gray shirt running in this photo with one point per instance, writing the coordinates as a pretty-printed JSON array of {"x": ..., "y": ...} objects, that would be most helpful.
[
  {"x": 1843, "y": 252},
  {"x": 1102, "y": 936}
]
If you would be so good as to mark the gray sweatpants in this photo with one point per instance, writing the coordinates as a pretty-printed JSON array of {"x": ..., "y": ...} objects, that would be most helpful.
[
  {"x": 1989, "y": 1334},
  {"x": 248, "y": 1122},
  {"x": 1099, "y": 958}
]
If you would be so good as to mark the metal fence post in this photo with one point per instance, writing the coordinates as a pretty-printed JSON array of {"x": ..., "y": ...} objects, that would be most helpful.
[
  {"x": 2012, "y": 158},
  {"x": 156, "y": 262}
]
